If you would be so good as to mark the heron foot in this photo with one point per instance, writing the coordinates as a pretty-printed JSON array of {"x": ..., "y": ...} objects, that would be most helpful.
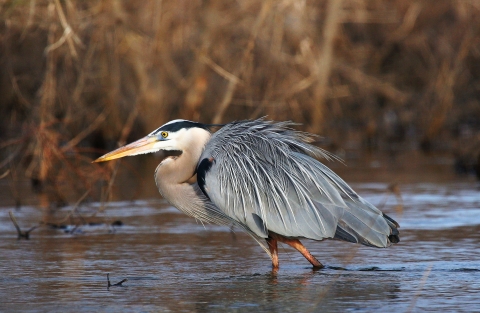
[{"x": 294, "y": 243}]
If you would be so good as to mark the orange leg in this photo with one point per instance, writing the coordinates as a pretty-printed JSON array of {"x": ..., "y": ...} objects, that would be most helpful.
[
  {"x": 296, "y": 244},
  {"x": 272, "y": 245}
]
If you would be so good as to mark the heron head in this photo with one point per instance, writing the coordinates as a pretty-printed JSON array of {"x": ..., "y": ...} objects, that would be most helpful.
[{"x": 175, "y": 137}]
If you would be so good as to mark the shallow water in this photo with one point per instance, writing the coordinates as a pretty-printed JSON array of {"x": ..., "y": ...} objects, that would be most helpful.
[{"x": 174, "y": 264}]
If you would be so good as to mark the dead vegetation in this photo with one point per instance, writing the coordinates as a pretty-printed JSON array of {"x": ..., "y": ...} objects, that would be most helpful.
[
  {"x": 21, "y": 234},
  {"x": 81, "y": 76}
]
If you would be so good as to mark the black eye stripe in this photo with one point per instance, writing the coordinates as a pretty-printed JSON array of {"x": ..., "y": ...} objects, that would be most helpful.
[{"x": 173, "y": 127}]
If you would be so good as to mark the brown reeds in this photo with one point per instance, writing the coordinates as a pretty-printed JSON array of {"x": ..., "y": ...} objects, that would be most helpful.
[{"x": 80, "y": 76}]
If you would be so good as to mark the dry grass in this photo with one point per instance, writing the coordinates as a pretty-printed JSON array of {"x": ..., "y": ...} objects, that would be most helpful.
[{"x": 80, "y": 76}]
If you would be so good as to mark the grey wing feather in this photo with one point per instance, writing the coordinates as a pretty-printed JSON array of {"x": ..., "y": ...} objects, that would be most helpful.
[
  {"x": 264, "y": 176},
  {"x": 201, "y": 208}
]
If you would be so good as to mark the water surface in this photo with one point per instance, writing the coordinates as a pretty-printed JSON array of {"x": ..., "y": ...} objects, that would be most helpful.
[{"x": 174, "y": 264}]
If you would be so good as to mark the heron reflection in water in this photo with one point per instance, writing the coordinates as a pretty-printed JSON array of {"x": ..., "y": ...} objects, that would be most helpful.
[{"x": 262, "y": 177}]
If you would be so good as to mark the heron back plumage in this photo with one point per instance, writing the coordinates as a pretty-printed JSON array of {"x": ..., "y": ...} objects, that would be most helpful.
[{"x": 265, "y": 176}]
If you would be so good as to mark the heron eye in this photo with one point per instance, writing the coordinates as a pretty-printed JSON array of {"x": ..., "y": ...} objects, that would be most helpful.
[{"x": 164, "y": 134}]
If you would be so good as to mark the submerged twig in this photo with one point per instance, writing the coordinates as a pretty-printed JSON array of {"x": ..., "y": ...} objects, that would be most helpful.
[
  {"x": 21, "y": 234},
  {"x": 117, "y": 284}
]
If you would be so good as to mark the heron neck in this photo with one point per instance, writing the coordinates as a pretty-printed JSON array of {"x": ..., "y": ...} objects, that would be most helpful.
[
  {"x": 175, "y": 171},
  {"x": 171, "y": 178}
]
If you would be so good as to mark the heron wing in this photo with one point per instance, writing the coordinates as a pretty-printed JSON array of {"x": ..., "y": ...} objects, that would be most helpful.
[{"x": 265, "y": 176}]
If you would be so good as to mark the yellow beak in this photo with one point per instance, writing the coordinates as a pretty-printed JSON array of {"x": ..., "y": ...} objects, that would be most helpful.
[{"x": 141, "y": 146}]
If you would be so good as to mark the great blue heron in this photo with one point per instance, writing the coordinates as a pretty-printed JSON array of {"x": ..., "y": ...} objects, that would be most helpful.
[{"x": 263, "y": 177}]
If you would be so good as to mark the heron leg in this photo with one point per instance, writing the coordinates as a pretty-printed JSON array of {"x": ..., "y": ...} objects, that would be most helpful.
[
  {"x": 296, "y": 244},
  {"x": 272, "y": 245}
]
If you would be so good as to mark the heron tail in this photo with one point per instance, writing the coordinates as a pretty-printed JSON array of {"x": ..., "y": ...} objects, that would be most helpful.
[
  {"x": 365, "y": 224},
  {"x": 394, "y": 237}
]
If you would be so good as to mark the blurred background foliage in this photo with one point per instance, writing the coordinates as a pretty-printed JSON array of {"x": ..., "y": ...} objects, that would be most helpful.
[{"x": 80, "y": 77}]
